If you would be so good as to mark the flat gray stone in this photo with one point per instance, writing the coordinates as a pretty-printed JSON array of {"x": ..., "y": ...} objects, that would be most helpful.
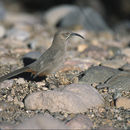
[
  {"x": 119, "y": 83},
  {"x": 32, "y": 55},
  {"x": 114, "y": 63},
  {"x": 74, "y": 98},
  {"x": 98, "y": 74}
]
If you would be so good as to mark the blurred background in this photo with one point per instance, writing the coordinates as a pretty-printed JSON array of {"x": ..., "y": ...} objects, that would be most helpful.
[{"x": 114, "y": 12}]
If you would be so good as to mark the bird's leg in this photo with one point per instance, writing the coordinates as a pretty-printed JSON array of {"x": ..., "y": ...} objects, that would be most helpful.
[{"x": 33, "y": 75}]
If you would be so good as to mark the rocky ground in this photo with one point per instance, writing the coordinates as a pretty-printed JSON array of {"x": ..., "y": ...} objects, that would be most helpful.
[{"x": 92, "y": 90}]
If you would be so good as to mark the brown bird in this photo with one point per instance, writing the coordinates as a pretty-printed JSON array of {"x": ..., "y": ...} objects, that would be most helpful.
[{"x": 50, "y": 60}]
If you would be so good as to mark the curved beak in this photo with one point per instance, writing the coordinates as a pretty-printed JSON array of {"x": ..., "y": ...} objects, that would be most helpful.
[{"x": 76, "y": 34}]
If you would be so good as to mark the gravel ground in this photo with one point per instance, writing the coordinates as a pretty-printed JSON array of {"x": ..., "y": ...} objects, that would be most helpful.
[{"x": 100, "y": 63}]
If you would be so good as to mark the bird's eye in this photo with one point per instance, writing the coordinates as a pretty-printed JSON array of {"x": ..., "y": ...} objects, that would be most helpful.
[{"x": 67, "y": 34}]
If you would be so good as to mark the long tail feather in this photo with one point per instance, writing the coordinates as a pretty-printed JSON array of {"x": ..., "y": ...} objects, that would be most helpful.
[{"x": 14, "y": 73}]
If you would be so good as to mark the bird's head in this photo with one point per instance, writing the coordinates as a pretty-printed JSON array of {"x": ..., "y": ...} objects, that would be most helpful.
[{"x": 65, "y": 35}]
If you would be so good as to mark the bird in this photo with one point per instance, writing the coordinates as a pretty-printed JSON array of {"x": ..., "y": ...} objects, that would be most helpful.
[{"x": 50, "y": 60}]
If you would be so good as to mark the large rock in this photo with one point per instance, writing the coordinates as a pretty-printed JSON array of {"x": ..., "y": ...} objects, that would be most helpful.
[{"x": 74, "y": 98}]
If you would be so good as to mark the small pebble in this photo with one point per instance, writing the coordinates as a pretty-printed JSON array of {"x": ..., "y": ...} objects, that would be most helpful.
[
  {"x": 123, "y": 102},
  {"x": 39, "y": 84},
  {"x": 45, "y": 88},
  {"x": 32, "y": 44},
  {"x": 9, "y": 98},
  {"x": 20, "y": 81},
  {"x": 82, "y": 47}
]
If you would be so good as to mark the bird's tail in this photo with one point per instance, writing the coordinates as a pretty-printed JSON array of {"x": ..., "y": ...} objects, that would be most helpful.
[{"x": 14, "y": 73}]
